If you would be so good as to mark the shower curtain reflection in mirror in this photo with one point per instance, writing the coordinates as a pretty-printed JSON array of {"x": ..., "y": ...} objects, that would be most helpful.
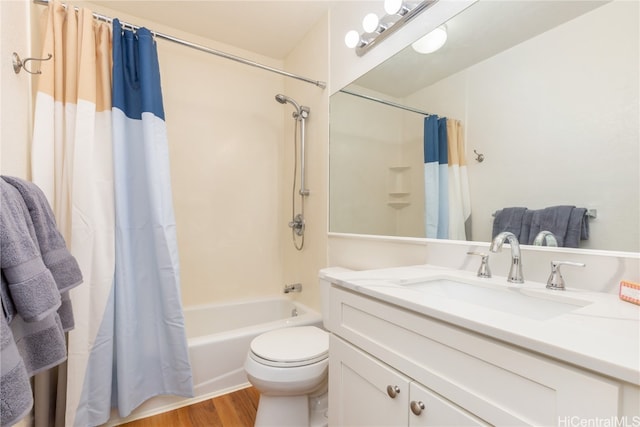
[{"x": 447, "y": 200}]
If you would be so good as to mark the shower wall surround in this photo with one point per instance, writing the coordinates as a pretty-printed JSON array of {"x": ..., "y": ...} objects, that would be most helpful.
[{"x": 229, "y": 152}]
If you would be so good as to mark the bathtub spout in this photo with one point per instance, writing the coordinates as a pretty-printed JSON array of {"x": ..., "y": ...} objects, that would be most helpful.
[{"x": 296, "y": 287}]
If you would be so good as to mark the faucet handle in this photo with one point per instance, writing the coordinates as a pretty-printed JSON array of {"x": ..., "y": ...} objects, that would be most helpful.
[
  {"x": 484, "y": 270},
  {"x": 556, "y": 281}
]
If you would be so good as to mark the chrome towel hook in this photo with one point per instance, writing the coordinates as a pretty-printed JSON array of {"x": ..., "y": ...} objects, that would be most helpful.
[
  {"x": 19, "y": 64},
  {"x": 479, "y": 157}
]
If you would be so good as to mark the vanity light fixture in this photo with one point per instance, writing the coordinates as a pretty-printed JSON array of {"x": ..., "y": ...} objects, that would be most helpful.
[
  {"x": 352, "y": 39},
  {"x": 376, "y": 29},
  {"x": 431, "y": 42},
  {"x": 370, "y": 22},
  {"x": 398, "y": 7}
]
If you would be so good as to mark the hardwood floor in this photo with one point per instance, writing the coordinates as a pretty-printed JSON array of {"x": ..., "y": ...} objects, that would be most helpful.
[{"x": 237, "y": 409}]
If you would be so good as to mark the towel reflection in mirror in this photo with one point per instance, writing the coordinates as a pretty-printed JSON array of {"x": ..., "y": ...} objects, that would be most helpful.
[{"x": 568, "y": 224}]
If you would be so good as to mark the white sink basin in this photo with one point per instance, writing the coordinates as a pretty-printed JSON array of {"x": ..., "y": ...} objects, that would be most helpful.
[{"x": 539, "y": 305}]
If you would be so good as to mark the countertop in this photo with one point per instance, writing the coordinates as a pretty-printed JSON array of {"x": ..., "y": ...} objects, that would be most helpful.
[{"x": 601, "y": 336}]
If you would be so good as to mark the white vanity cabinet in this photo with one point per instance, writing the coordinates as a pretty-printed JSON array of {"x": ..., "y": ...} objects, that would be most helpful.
[
  {"x": 366, "y": 392},
  {"x": 461, "y": 377}
]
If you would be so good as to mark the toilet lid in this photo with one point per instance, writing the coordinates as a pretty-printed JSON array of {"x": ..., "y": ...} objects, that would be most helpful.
[{"x": 295, "y": 346}]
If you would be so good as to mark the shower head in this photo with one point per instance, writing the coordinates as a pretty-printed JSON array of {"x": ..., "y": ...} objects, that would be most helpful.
[
  {"x": 301, "y": 112},
  {"x": 282, "y": 99}
]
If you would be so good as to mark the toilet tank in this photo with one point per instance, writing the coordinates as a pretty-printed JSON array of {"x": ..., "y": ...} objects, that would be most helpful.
[{"x": 325, "y": 285}]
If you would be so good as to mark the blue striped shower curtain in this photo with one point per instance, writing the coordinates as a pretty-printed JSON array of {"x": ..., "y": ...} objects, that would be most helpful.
[
  {"x": 151, "y": 346},
  {"x": 141, "y": 347},
  {"x": 447, "y": 201}
]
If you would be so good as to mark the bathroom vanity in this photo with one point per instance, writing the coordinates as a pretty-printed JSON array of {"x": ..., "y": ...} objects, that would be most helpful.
[{"x": 426, "y": 345}]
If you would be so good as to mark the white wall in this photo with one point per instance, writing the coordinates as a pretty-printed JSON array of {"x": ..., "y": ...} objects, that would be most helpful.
[
  {"x": 15, "y": 97},
  {"x": 309, "y": 58}
]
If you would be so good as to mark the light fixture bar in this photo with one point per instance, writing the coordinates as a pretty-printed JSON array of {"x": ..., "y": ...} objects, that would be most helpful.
[{"x": 421, "y": 7}]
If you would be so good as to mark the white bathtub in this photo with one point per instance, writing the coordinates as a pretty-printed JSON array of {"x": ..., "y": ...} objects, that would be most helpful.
[{"x": 218, "y": 337}]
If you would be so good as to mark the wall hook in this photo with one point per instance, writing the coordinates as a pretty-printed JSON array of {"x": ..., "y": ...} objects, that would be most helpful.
[
  {"x": 479, "y": 157},
  {"x": 19, "y": 64}
]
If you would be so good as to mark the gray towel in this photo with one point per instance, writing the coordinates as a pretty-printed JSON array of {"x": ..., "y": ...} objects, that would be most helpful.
[
  {"x": 554, "y": 219},
  {"x": 508, "y": 219},
  {"x": 16, "y": 398},
  {"x": 577, "y": 228},
  {"x": 525, "y": 231},
  {"x": 66, "y": 313},
  {"x": 56, "y": 257},
  {"x": 32, "y": 288},
  {"x": 8, "y": 309},
  {"x": 42, "y": 344}
]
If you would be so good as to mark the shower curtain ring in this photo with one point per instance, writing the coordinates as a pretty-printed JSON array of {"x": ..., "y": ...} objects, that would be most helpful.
[{"x": 19, "y": 64}]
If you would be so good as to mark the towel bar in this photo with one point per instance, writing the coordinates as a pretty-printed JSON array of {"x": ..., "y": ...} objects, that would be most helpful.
[{"x": 591, "y": 213}]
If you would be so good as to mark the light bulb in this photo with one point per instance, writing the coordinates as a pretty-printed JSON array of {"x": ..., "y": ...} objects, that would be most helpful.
[
  {"x": 392, "y": 7},
  {"x": 370, "y": 22},
  {"x": 352, "y": 39},
  {"x": 431, "y": 42}
]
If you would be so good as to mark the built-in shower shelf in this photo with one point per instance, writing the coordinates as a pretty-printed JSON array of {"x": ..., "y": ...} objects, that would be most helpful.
[{"x": 399, "y": 187}]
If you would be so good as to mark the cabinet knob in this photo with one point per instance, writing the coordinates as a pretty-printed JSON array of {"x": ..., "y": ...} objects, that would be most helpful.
[
  {"x": 417, "y": 407},
  {"x": 393, "y": 390}
]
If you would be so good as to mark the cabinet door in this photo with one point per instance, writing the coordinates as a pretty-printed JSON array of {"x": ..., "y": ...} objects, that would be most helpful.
[
  {"x": 364, "y": 392},
  {"x": 429, "y": 409}
]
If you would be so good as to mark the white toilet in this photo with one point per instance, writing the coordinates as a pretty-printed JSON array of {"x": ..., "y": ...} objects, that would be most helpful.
[{"x": 289, "y": 367}]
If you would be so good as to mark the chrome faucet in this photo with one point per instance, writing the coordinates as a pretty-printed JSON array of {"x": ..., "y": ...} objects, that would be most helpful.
[
  {"x": 515, "y": 272},
  {"x": 547, "y": 236},
  {"x": 295, "y": 287},
  {"x": 556, "y": 281}
]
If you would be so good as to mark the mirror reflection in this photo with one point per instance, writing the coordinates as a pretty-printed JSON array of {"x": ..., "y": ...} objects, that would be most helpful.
[{"x": 545, "y": 92}]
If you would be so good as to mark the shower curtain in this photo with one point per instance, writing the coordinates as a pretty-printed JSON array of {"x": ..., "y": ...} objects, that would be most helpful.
[
  {"x": 71, "y": 162},
  {"x": 447, "y": 200},
  {"x": 151, "y": 344},
  {"x": 102, "y": 161}
]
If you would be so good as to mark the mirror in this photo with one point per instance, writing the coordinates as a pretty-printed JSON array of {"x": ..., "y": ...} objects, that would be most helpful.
[{"x": 547, "y": 93}]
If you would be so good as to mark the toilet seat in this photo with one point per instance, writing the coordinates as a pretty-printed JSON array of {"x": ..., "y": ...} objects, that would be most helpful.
[{"x": 290, "y": 347}]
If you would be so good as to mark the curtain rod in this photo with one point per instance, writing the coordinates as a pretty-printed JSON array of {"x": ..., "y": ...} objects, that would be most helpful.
[
  {"x": 201, "y": 48},
  {"x": 383, "y": 101}
]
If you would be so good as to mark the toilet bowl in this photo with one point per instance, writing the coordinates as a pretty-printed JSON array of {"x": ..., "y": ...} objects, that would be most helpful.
[{"x": 289, "y": 367}]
